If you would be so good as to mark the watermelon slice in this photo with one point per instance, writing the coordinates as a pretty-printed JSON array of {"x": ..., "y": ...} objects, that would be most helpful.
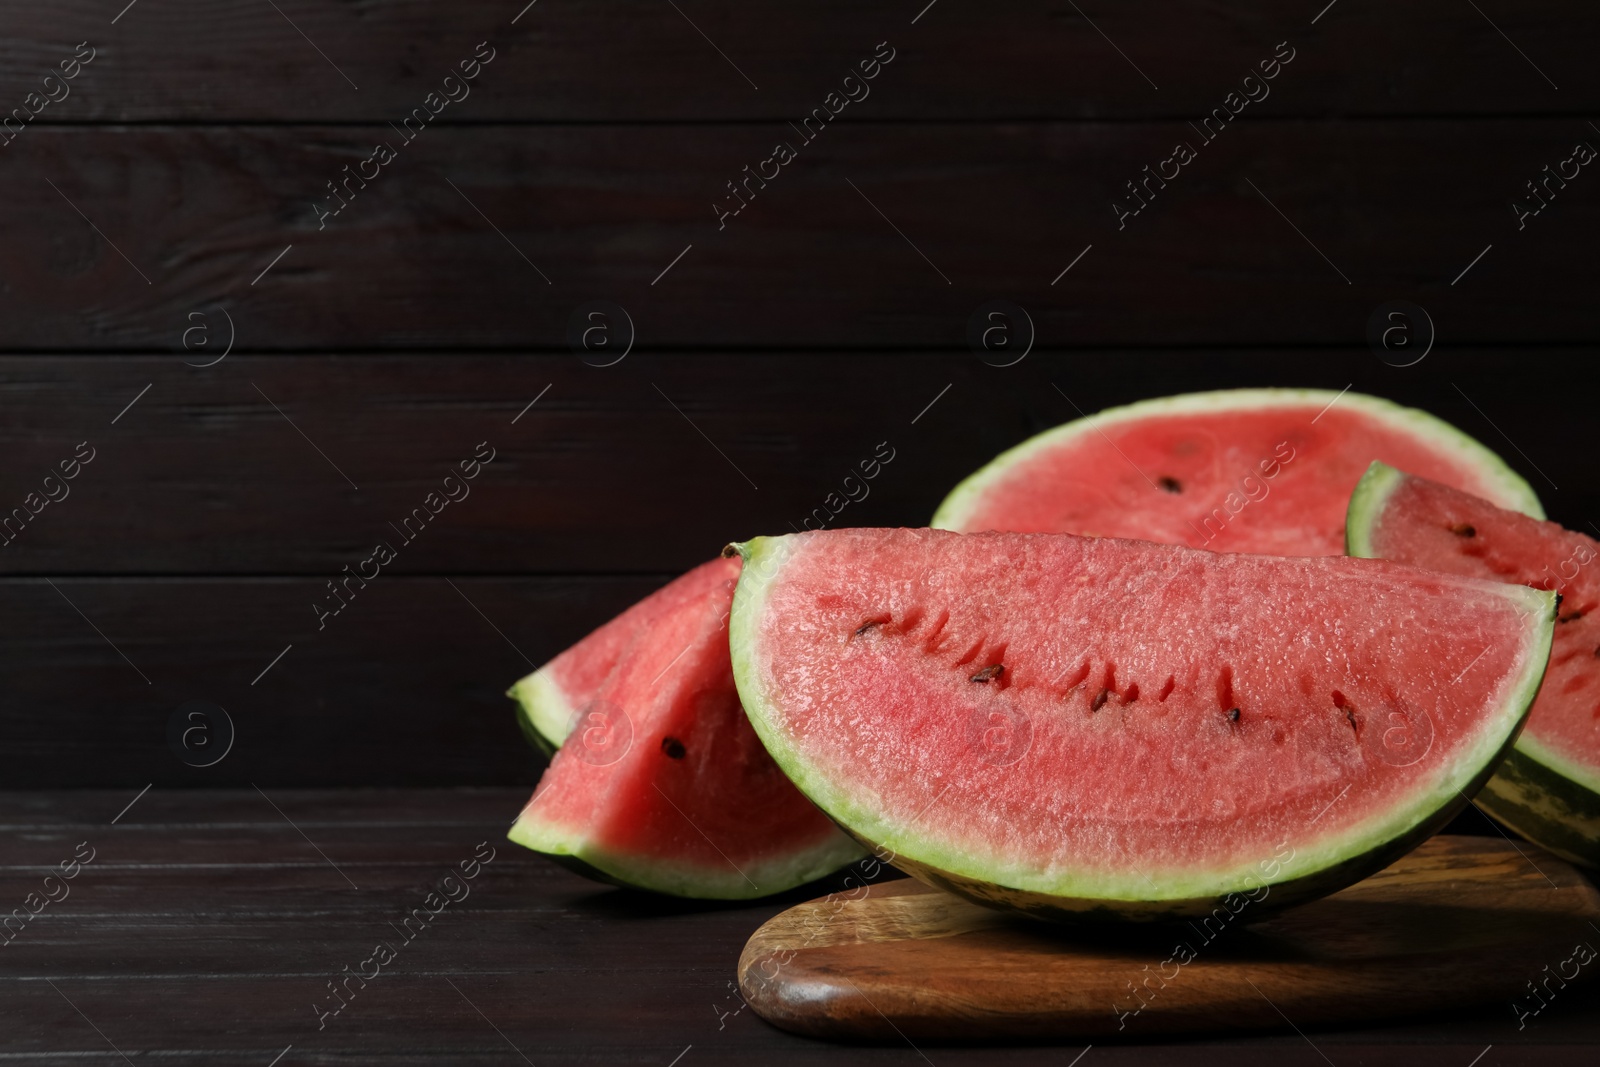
[
  {"x": 660, "y": 782},
  {"x": 1092, "y": 727},
  {"x": 549, "y": 699},
  {"x": 1246, "y": 470},
  {"x": 1548, "y": 789}
]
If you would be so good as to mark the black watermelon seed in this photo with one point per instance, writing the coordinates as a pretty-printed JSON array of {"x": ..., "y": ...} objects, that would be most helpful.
[
  {"x": 869, "y": 624},
  {"x": 672, "y": 747},
  {"x": 1171, "y": 484},
  {"x": 1571, "y": 616},
  {"x": 1464, "y": 529},
  {"x": 1233, "y": 714},
  {"x": 988, "y": 674},
  {"x": 1099, "y": 700}
]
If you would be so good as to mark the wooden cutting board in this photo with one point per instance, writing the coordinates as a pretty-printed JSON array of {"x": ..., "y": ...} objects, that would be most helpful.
[{"x": 1460, "y": 920}]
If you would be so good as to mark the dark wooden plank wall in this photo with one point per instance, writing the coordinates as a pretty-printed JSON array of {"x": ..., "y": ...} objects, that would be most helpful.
[
  {"x": 1398, "y": 208},
  {"x": 141, "y": 212},
  {"x": 626, "y": 60}
]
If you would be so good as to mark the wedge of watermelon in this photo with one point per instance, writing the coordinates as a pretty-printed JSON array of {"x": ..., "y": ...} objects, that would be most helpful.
[
  {"x": 550, "y": 699},
  {"x": 660, "y": 782},
  {"x": 1245, "y": 470},
  {"x": 1548, "y": 789},
  {"x": 1086, "y": 727}
]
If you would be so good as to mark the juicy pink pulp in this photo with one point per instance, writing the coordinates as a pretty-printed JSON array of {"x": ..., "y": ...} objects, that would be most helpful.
[
  {"x": 581, "y": 670},
  {"x": 1064, "y": 704},
  {"x": 1441, "y": 528},
  {"x": 1274, "y": 480},
  {"x": 693, "y": 786}
]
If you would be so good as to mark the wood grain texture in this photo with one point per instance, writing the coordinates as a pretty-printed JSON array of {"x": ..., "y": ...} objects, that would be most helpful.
[
  {"x": 405, "y": 686},
  {"x": 609, "y": 471},
  {"x": 634, "y": 59},
  {"x": 1462, "y": 920},
  {"x": 188, "y": 158},
  {"x": 207, "y": 926},
  {"x": 205, "y": 529},
  {"x": 1385, "y": 210}
]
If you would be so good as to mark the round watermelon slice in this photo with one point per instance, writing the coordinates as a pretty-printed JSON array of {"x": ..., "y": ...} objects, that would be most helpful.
[
  {"x": 1548, "y": 789},
  {"x": 1093, "y": 727},
  {"x": 1245, "y": 470},
  {"x": 549, "y": 698},
  {"x": 660, "y": 782}
]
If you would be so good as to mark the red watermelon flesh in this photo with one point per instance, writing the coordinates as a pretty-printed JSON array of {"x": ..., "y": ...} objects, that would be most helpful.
[
  {"x": 549, "y": 698},
  {"x": 1250, "y": 470},
  {"x": 1096, "y": 726},
  {"x": 662, "y": 784},
  {"x": 1550, "y": 790}
]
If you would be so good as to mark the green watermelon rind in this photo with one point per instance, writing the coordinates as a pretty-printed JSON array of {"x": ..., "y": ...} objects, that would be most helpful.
[
  {"x": 1545, "y": 804},
  {"x": 656, "y": 875},
  {"x": 1331, "y": 865},
  {"x": 1367, "y": 501},
  {"x": 545, "y": 715},
  {"x": 1276, "y": 897},
  {"x": 1517, "y": 493},
  {"x": 1544, "y": 796},
  {"x": 543, "y": 712}
]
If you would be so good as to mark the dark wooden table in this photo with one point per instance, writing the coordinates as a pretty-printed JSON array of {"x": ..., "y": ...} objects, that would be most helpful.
[{"x": 209, "y": 924}]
